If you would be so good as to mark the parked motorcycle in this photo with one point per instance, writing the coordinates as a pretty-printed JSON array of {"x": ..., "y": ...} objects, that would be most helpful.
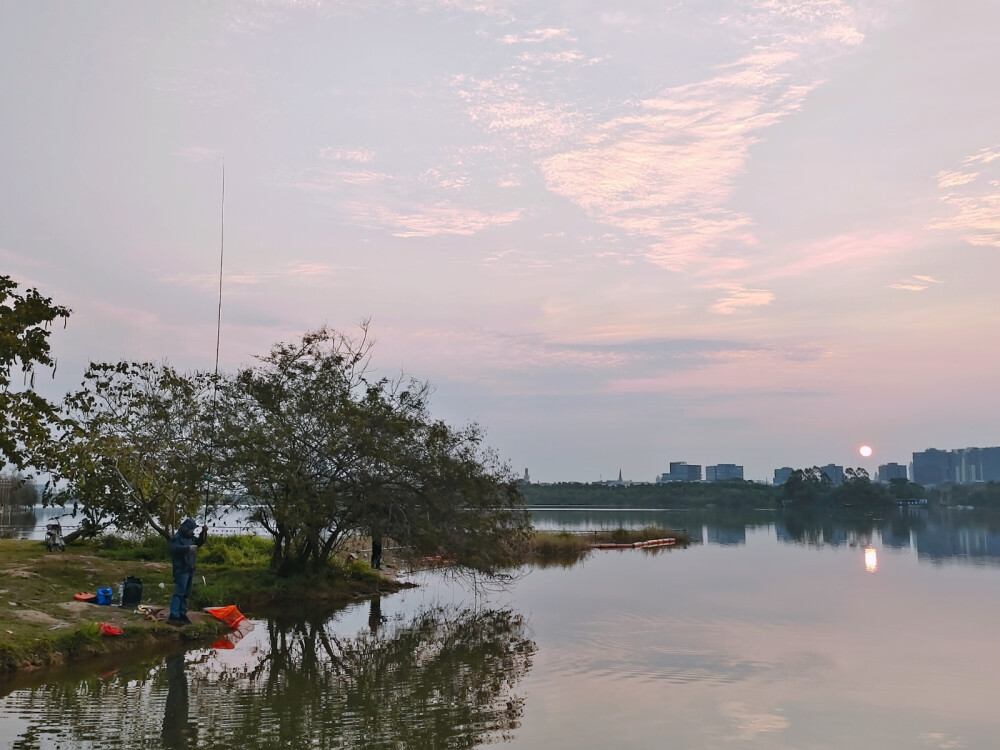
[{"x": 53, "y": 537}]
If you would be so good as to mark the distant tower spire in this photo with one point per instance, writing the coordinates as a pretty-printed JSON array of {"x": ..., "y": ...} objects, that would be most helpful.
[{"x": 619, "y": 475}]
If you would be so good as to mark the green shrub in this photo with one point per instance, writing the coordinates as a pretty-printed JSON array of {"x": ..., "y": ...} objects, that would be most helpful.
[
  {"x": 236, "y": 550},
  {"x": 152, "y": 547}
]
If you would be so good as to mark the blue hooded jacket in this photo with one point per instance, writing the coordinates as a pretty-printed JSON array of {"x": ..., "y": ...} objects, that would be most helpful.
[{"x": 181, "y": 554}]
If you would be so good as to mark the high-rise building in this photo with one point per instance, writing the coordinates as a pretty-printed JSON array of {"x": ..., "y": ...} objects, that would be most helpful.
[
  {"x": 933, "y": 466},
  {"x": 834, "y": 473},
  {"x": 681, "y": 471},
  {"x": 783, "y": 474},
  {"x": 890, "y": 471},
  {"x": 990, "y": 461},
  {"x": 961, "y": 465},
  {"x": 723, "y": 472},
  {"x": 976, "y": 465}
]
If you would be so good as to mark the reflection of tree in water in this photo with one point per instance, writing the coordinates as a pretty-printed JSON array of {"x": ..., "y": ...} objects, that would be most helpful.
[
  {"x": 443, "y": 679},
  {"x": 819, "y": 527}
]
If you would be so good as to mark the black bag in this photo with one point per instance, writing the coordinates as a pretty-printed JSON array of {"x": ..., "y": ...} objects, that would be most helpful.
[{"x": 131, "y": 592}]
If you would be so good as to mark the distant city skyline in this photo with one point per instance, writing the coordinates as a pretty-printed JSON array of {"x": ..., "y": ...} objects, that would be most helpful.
[
  {"x": 751, "y": 231},
  {"x": 961, "y": 465}
]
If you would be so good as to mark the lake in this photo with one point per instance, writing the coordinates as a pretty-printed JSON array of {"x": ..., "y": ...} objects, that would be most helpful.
[{"x": 770, "y": 632}]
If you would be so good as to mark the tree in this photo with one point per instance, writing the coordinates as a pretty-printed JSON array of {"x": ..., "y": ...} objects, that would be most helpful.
[
  {"x": 134, "y": 451},
  {"x": 805, "y": 486},
  {"x": 857, "y": 489},
  {"x": 26, "y": 419},
  {"x": 903, "y": 489},
  {"x": 318, "y": 452}
]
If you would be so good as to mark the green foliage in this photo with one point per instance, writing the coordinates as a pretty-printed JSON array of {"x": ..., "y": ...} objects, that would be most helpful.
[
  {"x": 806, "y": 487},
  {"x": 240, "y": 551},
  {"x": 136, "y": 449},
  {"x": 858, "y": 490},
  {"x": 318, "y": 452},
  {"x": 150, "y": 547},
  {"x": 903, "y": 489},
  {"x": 26, "y": 419}
]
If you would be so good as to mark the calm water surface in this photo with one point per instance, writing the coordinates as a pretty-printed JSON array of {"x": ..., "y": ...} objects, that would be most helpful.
[{"x": 770, "y": 633}]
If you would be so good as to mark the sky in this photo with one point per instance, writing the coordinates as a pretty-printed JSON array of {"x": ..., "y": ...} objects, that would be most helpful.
[{"x": 761, "y": 232}]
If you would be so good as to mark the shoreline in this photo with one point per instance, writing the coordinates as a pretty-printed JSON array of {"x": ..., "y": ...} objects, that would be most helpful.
[{"x": 43, "y": 626}]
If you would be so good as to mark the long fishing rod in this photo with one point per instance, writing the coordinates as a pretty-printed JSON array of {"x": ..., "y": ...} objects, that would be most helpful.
[{"x": 218, "y": 337}]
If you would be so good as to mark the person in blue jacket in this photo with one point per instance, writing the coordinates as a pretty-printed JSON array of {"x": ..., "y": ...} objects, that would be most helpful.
[{"x": 183, "y": 545}]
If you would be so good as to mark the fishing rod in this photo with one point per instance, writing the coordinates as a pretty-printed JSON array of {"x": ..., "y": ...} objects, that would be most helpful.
[{"x": 218, "y": 337}]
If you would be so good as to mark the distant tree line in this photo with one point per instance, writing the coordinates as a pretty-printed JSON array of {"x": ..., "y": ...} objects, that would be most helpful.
[
  {"x": 805, "y": 487},
  {"x": 734, "y": 493},
  {"x": 983, "y": 495}
]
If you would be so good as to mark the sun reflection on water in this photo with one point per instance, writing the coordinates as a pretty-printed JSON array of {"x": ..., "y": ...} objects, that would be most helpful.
[{"x": 871, "y": 560}]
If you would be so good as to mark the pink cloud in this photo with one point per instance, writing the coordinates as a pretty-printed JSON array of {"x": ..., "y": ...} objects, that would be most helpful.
[
  {"x": 432, "y": 220},
  {"x": 985, "y": 156},
  {"x": 506, "y": 107},
  {"x": 538, "y": 35},
  {"x": 973, "y": 200},
  {"x": 737, "y": 298},
  {"x": 954, "y": 179},
  {"x": 360, "y": 155},
  {"x": 855, "y": 248}
]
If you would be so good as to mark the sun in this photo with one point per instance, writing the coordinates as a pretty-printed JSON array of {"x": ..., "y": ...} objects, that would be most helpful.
[{"x": 865, "y": 450}]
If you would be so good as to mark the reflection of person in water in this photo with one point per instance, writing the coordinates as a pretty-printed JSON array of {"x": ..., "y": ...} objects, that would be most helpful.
[
  {"x": 375, "y": 614},
  {"x": 178, "y": 731}
]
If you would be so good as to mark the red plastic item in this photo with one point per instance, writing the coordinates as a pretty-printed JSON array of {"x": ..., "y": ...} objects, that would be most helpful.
[
  {"x": 106, "y": 628},
  {"x": 229, "y": 615},
  {"x": 85, "y": 596}
]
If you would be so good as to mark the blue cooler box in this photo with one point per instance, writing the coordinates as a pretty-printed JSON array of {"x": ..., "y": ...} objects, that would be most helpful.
[{"x": 104, "y": 595}]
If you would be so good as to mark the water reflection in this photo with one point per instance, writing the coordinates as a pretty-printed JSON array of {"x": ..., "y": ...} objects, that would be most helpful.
[
  {"x": 936, "y": 534},
  {"x": 442, "y": 678},
  {"x": 871, "y": 560},
  {"x": 178, "y": 729}
]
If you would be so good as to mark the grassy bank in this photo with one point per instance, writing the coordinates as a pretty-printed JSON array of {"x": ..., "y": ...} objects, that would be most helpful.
[
  {"x": 42, "y": 624},
  {"x": 564, "y": 548}
]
